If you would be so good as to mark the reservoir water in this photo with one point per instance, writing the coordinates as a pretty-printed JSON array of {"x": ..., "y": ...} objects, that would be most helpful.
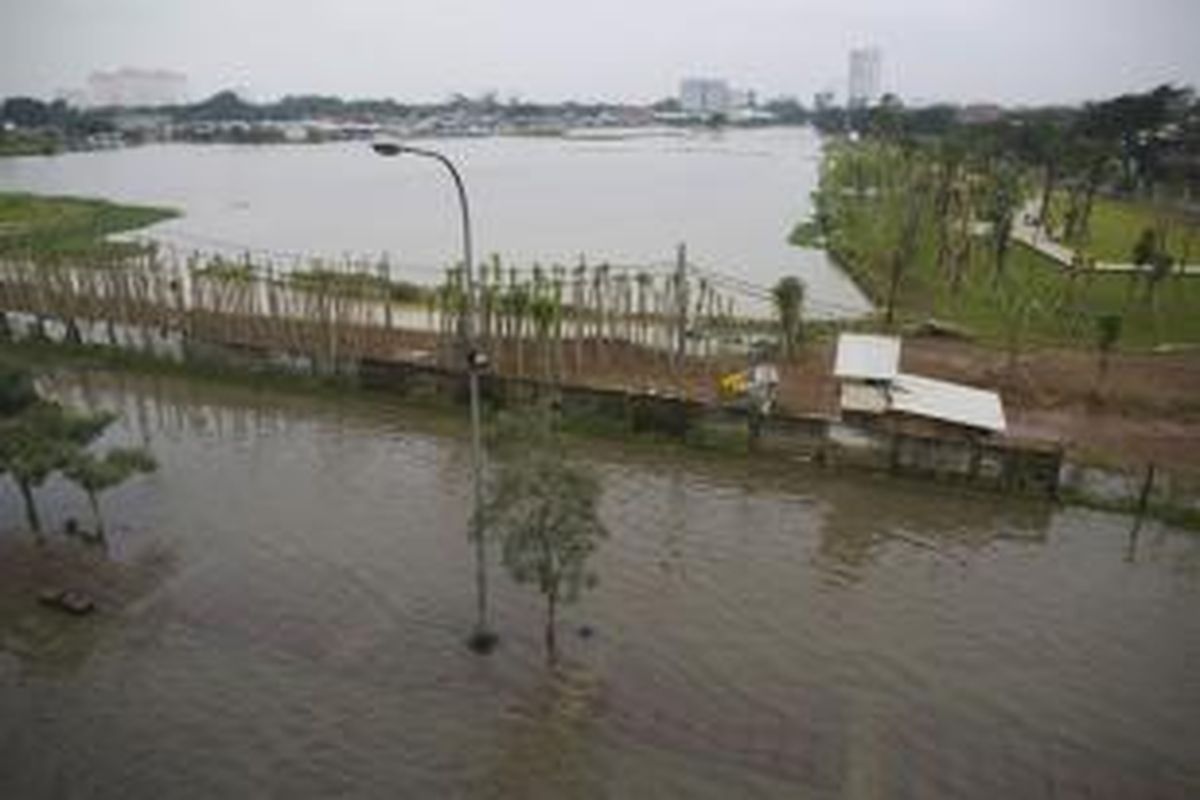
[
  {"x": 732, "y": 197},
  {"x": 757, "y": 632}
]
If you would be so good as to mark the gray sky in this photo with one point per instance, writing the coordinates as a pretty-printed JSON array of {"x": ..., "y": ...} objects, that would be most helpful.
[{"x": 1014, "y": 51}]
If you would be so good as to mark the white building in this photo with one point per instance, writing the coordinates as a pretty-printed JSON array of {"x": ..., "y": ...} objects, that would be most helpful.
[
  {"x": 137, "y": 87},
  {"x": 705, "y": 96},
  {"x": 866, "y": 72}
]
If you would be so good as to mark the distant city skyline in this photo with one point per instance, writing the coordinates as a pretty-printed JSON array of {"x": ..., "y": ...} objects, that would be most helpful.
[{"x": 1009, "y": 51}]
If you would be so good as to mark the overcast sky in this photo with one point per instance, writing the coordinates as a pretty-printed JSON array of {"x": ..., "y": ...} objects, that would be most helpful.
[{"x": 1013, "y": 51}]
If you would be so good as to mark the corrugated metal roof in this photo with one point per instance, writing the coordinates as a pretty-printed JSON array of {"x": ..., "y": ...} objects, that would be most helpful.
[
  {"x": 952, "y": 402},
  {"x": 863, "y": 356}
]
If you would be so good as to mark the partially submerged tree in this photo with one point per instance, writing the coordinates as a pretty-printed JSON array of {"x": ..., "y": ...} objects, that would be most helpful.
[
  {"x": 97, "y": 474},
  {"x": 543, "y": 508},
  {"x": 39, "y": 437},
  {"x": 39, "y": 440}
]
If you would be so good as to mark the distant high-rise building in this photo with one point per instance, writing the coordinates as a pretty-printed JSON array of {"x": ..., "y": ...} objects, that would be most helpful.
[
  {"x": 866, "y": 67},
  {"x": 136, "y": 87},
  {"x": 705, "y": 96}
]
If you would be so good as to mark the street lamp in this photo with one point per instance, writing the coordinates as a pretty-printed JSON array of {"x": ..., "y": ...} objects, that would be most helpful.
[{"x": 482, "y": 639}]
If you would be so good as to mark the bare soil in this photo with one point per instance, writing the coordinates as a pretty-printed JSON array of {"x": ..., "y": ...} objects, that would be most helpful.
[{"x": 1146, "y": 410}]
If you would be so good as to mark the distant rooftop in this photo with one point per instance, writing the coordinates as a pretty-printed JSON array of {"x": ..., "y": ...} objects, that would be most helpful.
[{"x": 867, "y": 357}]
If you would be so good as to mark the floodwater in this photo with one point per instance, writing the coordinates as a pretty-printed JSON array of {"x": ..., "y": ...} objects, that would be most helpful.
[
  {"x": 758, "y": 631},
  {"x": 731, "y": 197}
]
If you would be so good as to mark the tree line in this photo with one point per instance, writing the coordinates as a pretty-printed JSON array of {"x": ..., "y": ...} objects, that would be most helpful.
[
  {"x": 936, "y": 224},
  {"x": 1135, "y": 143}
]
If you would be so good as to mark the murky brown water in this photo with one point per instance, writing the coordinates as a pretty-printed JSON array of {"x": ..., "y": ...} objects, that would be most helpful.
[{"x": 756, "y": 636}]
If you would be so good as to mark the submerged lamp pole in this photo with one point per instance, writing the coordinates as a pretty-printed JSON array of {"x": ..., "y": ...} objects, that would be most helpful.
[{"x": 483, "y": 639}]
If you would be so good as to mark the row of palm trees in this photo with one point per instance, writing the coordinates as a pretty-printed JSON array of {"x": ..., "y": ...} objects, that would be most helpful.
[
  {"x": 543, "y": 321},
  {"x": 585, "y": 314}
]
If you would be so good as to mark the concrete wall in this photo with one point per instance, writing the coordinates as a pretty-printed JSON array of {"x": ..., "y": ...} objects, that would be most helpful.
[
  {"x": 999, "y": 464},
  {"x": 1008, "y": 466}
]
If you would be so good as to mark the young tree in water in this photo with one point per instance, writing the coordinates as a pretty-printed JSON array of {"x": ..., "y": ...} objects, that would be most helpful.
[
  {"x": 788, "y": 297},
  {"x": 97, "y": 474},
  {"x": 39, "y": 440},
  {"x": 543, "y": 508}
]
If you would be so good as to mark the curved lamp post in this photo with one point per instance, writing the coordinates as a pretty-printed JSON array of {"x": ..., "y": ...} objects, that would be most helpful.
[{"x": 482, "y": 639}]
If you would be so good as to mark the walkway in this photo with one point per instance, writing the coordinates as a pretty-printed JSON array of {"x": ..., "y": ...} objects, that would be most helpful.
[{"x": 1034, "y": 236}]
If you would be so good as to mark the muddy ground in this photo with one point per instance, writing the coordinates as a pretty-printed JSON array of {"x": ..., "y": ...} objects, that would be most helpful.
[{"x": 1147, "y": 408}]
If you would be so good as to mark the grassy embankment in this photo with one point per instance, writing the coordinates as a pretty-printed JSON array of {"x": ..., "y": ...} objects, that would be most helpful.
[
  {"x": 27, "y": 144},
  {"x": 50, "y": 226},
  {"x": 1034, "y": 299}
]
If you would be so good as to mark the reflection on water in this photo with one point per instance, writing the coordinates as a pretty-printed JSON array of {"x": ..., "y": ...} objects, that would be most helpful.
[{"x": 757, "y": 632}]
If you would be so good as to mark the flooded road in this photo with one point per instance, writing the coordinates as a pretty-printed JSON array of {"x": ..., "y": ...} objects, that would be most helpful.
[{"x": 756, "y": 635}]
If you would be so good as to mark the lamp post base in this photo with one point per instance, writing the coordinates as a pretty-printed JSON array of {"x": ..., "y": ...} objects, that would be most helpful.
[{"x": 482, "y": 642}]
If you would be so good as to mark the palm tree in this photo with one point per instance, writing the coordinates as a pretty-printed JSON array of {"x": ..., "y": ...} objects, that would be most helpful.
[
  {"x": 788, "y": 297},
  {"x": 644, "y": 284},
  {"x": 556, "y": 295},
  {"x": 520, "y": 304},
  {"x": 578, "y": 302},
  {"x": 542, "y": 311}
]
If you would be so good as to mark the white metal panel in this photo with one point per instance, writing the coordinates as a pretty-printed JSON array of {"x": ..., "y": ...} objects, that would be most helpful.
[
  {"x": 864, "y": 397},
  {"x": 867, "y": 357},
  {"x": 952, "y": 402}
]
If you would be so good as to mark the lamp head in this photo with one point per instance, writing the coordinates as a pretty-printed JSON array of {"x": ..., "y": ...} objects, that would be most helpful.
[{"x": 387, "y": 148}]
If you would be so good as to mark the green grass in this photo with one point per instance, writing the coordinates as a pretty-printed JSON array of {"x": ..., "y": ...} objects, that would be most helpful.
[
  {"x": 1062, "y": 310},
  {"x": 52, "y": 225},
  {"x": 1035, "y": 296},
  {"x": 27, "y": 144},
  {"x": 1116, "y": 225}
]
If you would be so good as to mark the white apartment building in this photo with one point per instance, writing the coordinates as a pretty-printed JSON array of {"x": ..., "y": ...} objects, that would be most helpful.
[
  {"x": 866, "y": 67},
  {"x": 705, "y": 96}
]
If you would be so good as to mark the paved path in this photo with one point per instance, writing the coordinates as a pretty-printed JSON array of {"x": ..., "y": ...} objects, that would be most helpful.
[{"x": 1033, "y": 235}]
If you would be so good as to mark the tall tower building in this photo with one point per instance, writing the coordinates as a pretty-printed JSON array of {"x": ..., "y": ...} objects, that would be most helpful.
[
  {"x": 705, "y": 96},
  {"x": 866, "y": 66}
]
